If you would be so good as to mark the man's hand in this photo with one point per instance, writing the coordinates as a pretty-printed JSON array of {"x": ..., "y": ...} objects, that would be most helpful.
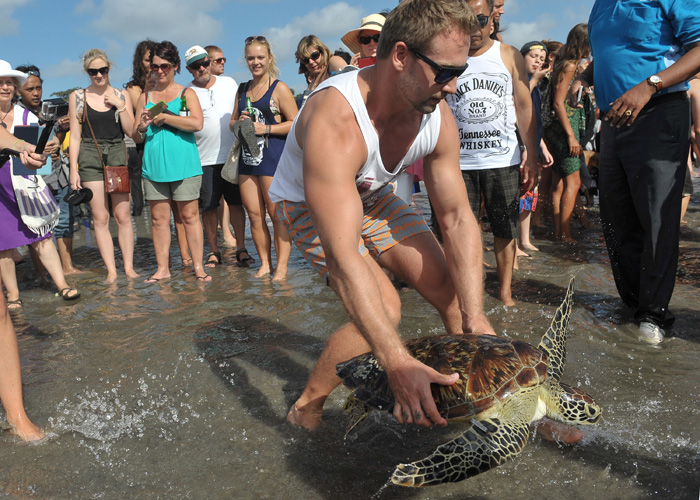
[
  {"x": 410, "y": 382},
  {"x": 626, "y": 107}
]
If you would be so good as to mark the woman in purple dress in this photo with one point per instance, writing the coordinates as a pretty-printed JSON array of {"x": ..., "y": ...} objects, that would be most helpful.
[{"x": 14, "y": 232}]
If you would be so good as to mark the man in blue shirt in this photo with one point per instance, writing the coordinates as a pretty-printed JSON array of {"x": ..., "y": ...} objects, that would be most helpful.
[{"x": 644, "y": 52}]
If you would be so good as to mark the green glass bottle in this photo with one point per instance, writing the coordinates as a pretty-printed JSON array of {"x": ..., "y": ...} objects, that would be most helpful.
[
  {"x": 184, "y": 110},
  {"x": 249, "y": 108}
]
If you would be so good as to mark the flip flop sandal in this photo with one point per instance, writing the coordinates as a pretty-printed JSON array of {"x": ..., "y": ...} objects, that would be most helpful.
[
  {"x": 245, "y": 261},
  {"x": 213, "y": 263},
  {"x": 14, "y": 304},
  {"x": 66, "y": 291}
]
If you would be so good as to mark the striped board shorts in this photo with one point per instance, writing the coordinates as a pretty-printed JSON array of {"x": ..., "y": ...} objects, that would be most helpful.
[{"x": 387, "y": 222}]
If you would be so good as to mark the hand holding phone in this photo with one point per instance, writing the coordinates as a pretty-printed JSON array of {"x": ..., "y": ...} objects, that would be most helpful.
[
  {"x": 157, "y": 109},
  {"x": 578, "y": 94}
]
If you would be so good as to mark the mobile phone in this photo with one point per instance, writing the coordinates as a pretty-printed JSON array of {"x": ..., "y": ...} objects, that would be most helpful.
[
  {"x": 363, "y": 62},
  {"x": 157, "y": 109},
  {"x": 578, "y": 95}
]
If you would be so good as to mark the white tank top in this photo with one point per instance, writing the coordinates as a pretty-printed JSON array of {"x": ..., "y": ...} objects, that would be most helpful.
[
  {"x": 485, "y": 113},
  {"x": 288, "y": 182}
]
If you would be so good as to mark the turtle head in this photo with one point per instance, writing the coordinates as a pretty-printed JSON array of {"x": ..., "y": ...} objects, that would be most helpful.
[{"x": 573, "y": 406}]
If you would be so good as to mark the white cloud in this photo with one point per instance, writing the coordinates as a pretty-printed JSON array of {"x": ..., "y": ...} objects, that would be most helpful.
[
  {"x": 329, "y": 24},
  {"x": 7, "y": 7},
  {"x": 67, "y": 68},
  {"x": 175, "y": 20}
]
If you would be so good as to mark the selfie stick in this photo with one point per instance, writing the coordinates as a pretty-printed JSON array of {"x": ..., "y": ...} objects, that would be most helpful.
[{"x": 44, "y": 136}]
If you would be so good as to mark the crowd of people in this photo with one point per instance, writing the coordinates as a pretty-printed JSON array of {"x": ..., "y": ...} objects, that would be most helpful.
[{"x": 214, "y": 153}]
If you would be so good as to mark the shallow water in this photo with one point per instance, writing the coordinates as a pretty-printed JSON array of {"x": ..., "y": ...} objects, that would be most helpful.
[{"x": 180, "y": 389}]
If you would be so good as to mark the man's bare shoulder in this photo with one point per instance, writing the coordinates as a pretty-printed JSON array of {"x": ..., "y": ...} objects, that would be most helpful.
[
  {"x": 512, "y": 58},
  {"x": 330, "y": 109}
]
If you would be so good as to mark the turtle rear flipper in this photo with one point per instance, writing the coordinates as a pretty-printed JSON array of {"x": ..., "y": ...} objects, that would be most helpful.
[{"x": 486, "y": 444}]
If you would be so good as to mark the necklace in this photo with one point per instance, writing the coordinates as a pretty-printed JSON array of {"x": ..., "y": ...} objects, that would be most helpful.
[
  {"x": 3, "y": 118},
  {"x": 254, "y": 96}
]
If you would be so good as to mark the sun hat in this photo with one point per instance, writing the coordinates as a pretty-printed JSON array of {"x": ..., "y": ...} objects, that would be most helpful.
[
  {"x": 351, "y": 39},
  {"x": 6, "y": 70},
  {"x": 194, "y": 54},
  {"x": 532, "y": 46}
]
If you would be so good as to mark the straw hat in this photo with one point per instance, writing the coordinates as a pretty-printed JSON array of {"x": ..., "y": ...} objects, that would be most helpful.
[
  {"x": 6, "y": 70},
  {"x": 373, "y": 22}
]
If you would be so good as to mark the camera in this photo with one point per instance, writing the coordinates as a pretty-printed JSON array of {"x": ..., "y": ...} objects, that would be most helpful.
[{"x": 53, "y": 109}]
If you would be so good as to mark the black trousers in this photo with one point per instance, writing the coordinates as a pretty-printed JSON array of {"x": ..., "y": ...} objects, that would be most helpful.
[
  {"x": 134, "y": 164},
  {"x": 642, "y": 170}
]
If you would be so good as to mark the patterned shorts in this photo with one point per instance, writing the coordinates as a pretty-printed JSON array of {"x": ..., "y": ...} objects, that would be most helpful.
[{"x": 387, "y": 222}]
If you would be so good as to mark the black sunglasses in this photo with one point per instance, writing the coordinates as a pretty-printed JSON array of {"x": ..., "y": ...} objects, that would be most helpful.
[
  {"x": 165, "y": 67},
  {"x": 197, "y": 65},
  {"x": 93, "y": 71},
  {"x": 364, "y": 40},
  {"x": 443, "y": 74},
  {"x": 257, "y": 38},
  {"x": 313, "y": 56},
  {"x": 483, "y": 20},
  {"x": 219, "y": 60}
]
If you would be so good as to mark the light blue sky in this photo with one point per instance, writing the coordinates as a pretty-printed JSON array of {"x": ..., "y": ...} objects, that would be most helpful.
[{"x": 54, "y": 35}]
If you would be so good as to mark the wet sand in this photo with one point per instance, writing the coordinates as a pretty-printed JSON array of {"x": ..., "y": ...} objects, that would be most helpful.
[{"x": 180, "y": 389}]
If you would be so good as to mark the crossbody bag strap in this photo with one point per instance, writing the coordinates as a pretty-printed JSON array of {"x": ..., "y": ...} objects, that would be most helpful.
[{"x": 92, "y": 133}]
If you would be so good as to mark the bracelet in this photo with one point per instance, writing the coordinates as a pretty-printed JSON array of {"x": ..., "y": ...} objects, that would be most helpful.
[
  {"x": 15, "y": 143},
  {"x": 267, "y": 129},
  {"x": 122, "y": 110}
]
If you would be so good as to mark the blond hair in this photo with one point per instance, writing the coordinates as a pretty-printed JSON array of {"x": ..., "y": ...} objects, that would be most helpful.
[
  {"x": 416, "y": 22},
  {"x": 272, "y": 69},
  {"x": 93, "y": 54}
]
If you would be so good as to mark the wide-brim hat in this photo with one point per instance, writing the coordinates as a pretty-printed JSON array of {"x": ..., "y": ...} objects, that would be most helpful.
[
  {"x": 351, "y": 39},
  {"x": 6, "y": 70}
]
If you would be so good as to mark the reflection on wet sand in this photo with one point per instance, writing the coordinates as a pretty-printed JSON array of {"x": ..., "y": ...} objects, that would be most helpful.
[{"x": 176, "y": 390}]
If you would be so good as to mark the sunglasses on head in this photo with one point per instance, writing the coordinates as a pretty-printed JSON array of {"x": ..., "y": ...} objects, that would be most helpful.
[
  {"x": 483, "y": 20},
  {"x": 364, "y": 40},
  {"x": 93, "y": 71},
  {"x": 33, "y": 73},
  {"x": 312, "y": 57},
  {"x": 165, "y": 67},
  {"x": 443, "y": 74},
  {"x": 257, "y": 38},
  {"x": 220, "y": 60},
  {"x": 197, "y": 65}
]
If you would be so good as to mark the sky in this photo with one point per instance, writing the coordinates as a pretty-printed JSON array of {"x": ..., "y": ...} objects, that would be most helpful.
[{"x": 54, "y": 35}]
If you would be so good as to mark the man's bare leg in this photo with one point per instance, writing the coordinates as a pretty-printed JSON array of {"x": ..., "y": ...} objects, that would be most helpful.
[
  {"x": 505, "y": 259},
  {"x": 346, "y": 343},
  {"x": 557, "y": 432}
]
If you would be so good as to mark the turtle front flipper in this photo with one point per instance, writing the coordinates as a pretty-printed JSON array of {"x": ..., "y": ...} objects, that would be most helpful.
[
  {"x": 486, "y": 444},
  {"x": 554, "y": 340},
  {"x": 358, "y": 412}
]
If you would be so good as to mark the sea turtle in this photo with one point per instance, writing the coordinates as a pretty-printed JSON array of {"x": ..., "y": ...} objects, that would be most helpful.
[{"x": 504, "y": 385}]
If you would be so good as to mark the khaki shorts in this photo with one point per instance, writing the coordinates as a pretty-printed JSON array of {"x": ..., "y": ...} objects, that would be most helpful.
[
  {"x": 89, "y": 164},
  {"x": 387, "y": 222},
  {"x": 184, "y": 190}
]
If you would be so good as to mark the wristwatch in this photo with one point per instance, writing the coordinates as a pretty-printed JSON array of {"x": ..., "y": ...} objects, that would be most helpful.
[{"x": 655, "y": 81}]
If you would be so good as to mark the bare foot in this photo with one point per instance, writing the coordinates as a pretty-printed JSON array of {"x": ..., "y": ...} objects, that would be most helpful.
[
  {"x": 111, "y": 278},
  {"x": 72, "y": 270},
  {"x": 186, "y": 262},
  {"x": 568, "y": 240},
  {"x": 308, "y": 418},
  {"x": 264, "y": 270},
  {"x": 507, "y": 299},
  {"x": 132, "y": 274},
  {"x": 280, "y": 274},
  {"x": 27, "y": 431},
  {"x": 205, "y": 278},
  {"x": 229, "y": 243},
  {"x": 519, "y": 252},
  {"x": 556, "y": 432},
  {"x": 529, "y": 247}
]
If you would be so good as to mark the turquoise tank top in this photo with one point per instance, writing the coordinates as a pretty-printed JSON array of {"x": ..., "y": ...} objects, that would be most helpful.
[{"x": 169, "y": 154}]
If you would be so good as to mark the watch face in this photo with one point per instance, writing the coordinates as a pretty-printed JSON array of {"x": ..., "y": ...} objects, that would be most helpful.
[{"x": 655, "y": 79}]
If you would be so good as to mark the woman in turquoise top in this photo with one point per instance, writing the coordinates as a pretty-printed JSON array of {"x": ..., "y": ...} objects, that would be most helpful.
[{"x": 172, "y": 172}]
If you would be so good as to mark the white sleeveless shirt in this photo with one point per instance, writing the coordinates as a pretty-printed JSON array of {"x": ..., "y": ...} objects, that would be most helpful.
[
  {"x": 485, "y": 113},
  {"x": 288, "y": 182}
]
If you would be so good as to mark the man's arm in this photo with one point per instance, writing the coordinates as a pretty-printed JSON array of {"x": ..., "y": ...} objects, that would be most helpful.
[
  {"x": 527, "y": 125},
  {"x": 460, "y": 231},
  {"x": 638, "y": 96},
  {"x": 334, "y": 150}
]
